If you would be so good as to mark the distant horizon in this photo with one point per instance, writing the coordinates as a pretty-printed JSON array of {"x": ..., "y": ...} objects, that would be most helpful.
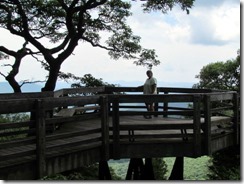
[{"x": 36, "y": 87}]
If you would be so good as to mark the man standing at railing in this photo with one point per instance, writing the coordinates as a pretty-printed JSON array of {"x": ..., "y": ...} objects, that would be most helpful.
[{"x": 150, "y": 87}]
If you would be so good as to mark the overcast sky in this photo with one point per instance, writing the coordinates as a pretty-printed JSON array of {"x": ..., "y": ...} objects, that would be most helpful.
[{"x": 184, "y": 44}]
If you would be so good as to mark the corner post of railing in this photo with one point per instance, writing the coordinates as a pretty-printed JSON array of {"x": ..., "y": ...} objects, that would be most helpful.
[
  {"x": 236, "y": 117},
  {"x": 104, "y": 127},
  {"x": 207, "y": 124},
  {"x": 116, "y": 130},
  {"x": 40, "y": 139},
  {"x": 156, "y": 106},
  {"x": 166, "y": 106},
  {"x": 197, "y": 124}
]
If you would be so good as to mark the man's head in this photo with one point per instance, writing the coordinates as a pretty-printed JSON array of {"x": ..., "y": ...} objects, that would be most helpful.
[{"x": 149, "y": 73}]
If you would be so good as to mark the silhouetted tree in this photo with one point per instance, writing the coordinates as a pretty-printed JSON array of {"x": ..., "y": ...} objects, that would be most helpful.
[{"x": 66, "y": 22}]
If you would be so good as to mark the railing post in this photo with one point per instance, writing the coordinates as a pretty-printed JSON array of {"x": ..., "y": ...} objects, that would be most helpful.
[
  {"x": 116, "y": 136},
  {"x": 165, "y": 106},
  {"x": 236, "y": 117},
  {"x": 207, "y": 124},
  {"x": 105, "y": 127},
  {"x": 197, "y": 124},
  {"x": 40, "y": 139},
  {"x": 156, "y": 106}
]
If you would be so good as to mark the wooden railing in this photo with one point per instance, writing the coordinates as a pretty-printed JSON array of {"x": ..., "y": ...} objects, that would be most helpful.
[{"x": 35, "y": 139}]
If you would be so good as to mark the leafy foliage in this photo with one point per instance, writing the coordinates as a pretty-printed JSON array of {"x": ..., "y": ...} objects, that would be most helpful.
[
  {"x": 194, "y": 168},
  {"x": 159, "y": 168},
  {"x": 83, "y": 173},
  {"x": 19, "y": 117},
  {"x": 220, "y": 75},
  {"x": 165, "y": 6},
  {"x": 225, "y": 164},
  {"x": 89, "y": 81},
  {"x": 66, "y": 23},
  {"x": 13, "y": 118}
]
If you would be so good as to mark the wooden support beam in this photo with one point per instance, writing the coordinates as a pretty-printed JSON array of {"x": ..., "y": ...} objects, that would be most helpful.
[
  {"x": 104, "y": 172},
  {"x": 135, "y": 169},
  {"x": 177, "y": 172},
  {"x": 148, "y": 172}
]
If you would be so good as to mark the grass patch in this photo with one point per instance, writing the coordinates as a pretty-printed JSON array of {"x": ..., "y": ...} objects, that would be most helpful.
[{"x": 194, "y": 168}]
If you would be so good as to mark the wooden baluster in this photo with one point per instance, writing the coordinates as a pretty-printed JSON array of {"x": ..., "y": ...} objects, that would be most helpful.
[
  {"x": 116, "y": 131},
  {"x": 197, "y": 124},
  {"x": 40, "y": 139},
  {"x": 105, "y": 127},
  {"x": 236, "y": 117},
  {"x": 207, "y": 125}
]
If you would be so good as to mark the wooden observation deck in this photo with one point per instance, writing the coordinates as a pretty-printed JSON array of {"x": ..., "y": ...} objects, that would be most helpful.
[{"x": 70, "y": 128}]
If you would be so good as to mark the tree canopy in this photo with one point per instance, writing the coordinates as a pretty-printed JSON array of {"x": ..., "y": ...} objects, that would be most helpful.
[
  {"x": 220, "y": 75},
  {"x": 66, "y": 23}
]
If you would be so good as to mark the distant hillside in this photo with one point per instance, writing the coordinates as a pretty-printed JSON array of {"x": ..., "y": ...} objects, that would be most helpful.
[{"x": 6, "y": 88}]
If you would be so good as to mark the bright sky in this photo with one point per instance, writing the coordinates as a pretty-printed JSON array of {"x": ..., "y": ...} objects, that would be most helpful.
[{"x": 184, "y": 44}]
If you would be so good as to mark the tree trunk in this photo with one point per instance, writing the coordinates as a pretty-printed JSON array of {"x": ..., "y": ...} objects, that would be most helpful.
[{"x": 52, "y": 78}]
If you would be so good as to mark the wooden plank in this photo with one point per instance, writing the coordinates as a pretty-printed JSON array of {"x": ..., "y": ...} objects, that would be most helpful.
[
  {"x": 72, "y": 142},
  {"x": 13, "y": 133},
  {"x": 218, "y": 120},
  {"x": 159, "y": 89},
  {"x": 105, "y": 127},
  {"x": 197, "y": 126},
  {"x": 152, "y": 98},
  {"x": 58, "y": 93},
  {"x": 66, "y": 112},
  {"x": 41, "y": 139},
  {"x": 67, "y": 91},
  {"x": 156, "y": 126},
  {"x": 73, "y": 119},
  {"x": 19, "y": 142},
  {"x": 164, "y": 113},
  {"x": 207, "y": 125},
  {"x": 72, "y": 134},
  {"x": 116, "y": 135},
  {"x": 183, "y": 90},
  {"x": 221, "y": 96},
  {"x": 8, "y": 96},
  {"x": 51, "y": 103},
  {"x": 87, "y": 108},
  {"x": 17, "y": 151},
  {"x": 16, "y": 106},
  {"x": 15, "y": 125},
  {"x": 236, "y": 119},
  {"x": 155, "y": 136}
]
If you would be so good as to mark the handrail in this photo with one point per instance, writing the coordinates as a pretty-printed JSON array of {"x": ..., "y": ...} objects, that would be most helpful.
[
  {"x": 82, "y": 90},
  {"x": 110, "y": 90},
  {"x": 159, "y": 89}
]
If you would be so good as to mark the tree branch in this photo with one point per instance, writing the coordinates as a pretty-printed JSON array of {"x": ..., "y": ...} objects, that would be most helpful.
[{"x": 31, "y": 82}]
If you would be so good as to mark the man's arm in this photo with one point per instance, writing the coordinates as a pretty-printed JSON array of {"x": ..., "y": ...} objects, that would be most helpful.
[{"x": 153, "y": 88}]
